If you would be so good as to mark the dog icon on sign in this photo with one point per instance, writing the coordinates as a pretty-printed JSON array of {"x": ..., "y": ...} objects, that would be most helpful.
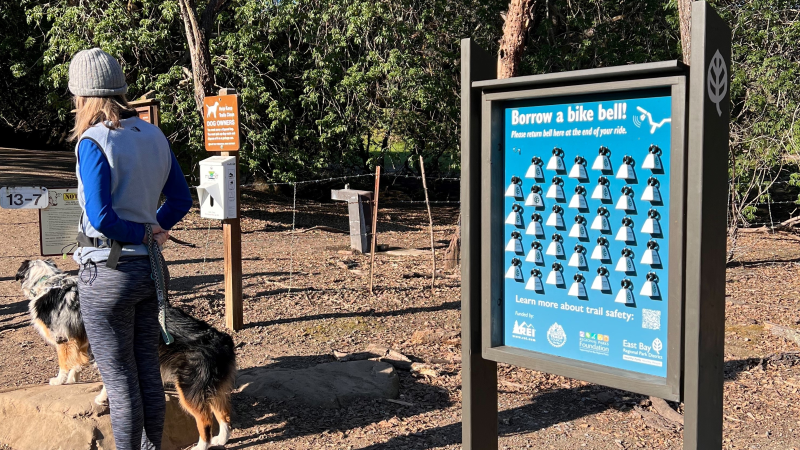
[{"x": 212, "y": 109}]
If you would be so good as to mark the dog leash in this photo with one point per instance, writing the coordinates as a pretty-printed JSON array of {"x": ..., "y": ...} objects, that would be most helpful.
[{"x": 158, "y": 270}]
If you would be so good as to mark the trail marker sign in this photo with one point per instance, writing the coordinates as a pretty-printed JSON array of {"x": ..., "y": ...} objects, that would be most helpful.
[
  {"x": 34, "y": 197},
  {"x": 221, "y": 123}
]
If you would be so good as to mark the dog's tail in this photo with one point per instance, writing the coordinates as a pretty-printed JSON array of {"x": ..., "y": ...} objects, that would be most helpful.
[
  {"x": 217, "y": 375},
  {"x": 207, "y": 391}
]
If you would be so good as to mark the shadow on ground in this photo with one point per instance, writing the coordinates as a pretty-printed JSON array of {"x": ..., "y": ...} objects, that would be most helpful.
[
  {"x": 321, "y": 215},
  {"x": 756, "y": 263},
  {"x": 12, "y": 312},
  {"x": 193, "y": 282},
  {"x": 368, "y": 313},
  {"x": 52, "y": 169},
  {"x": 282, "y": 421},
  {"x": 279, "y": 421}
]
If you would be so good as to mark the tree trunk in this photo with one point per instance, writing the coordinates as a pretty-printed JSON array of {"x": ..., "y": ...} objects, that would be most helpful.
[
  {"x": 685, "y": 20},
  {"x": 515, "y": 34},
  {"x": 518, "y": 21},
  {"x": 198, "y": 31}
]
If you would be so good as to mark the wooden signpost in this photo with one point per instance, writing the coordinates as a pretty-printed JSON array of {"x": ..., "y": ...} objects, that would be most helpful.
[{"x": 221, "y": 131}]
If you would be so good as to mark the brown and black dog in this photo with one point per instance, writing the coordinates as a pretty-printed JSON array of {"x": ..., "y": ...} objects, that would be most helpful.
[{"x": 201, "y": 362}]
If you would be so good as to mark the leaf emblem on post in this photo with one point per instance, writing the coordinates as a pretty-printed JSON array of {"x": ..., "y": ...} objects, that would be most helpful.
[{"x": 717, "y": 80}]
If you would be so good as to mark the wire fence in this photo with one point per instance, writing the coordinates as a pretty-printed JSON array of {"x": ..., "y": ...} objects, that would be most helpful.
[{"x": 774, "y": 218}]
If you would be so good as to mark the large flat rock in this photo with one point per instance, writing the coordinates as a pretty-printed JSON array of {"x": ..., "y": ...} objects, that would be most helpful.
[
  {"x": 66, "y": 418},
  {"x": 330, "y": 385}
]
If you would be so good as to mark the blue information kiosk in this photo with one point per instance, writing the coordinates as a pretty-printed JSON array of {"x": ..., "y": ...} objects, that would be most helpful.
[
  {"x": 594, "y": 219},
  {"x": 587, "y": 218}
]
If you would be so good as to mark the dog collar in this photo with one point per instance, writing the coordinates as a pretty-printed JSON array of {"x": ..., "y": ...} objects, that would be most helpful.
[{"x": 34, "y": 292}]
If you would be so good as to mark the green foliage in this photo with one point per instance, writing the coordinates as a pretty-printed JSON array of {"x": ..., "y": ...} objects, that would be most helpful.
[
  {"x": 337, "y": 86},
  {"x": 765, "y": 110},
  {"x": 326, "y": 85},
  {"x": 599, "y": 33},
  {"x": 145, "y": 36},
  {"x": 329, "y": 82},
  {"x": 21, "y": 97}
]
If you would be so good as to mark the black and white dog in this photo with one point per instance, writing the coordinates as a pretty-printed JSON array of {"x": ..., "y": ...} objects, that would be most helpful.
[{"x": 200, "y": 362}]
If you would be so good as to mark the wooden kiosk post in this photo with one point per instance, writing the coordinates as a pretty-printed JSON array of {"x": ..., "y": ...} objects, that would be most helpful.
[
  {"x": 478, "y": 375},
  {"x": 226, "y": 143}
]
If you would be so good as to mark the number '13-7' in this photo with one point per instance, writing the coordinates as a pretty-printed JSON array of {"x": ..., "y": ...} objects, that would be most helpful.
[{"x": 17, "y": 199}]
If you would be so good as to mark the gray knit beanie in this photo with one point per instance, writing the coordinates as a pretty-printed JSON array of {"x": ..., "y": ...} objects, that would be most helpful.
[{"x": 95, "y": 73}]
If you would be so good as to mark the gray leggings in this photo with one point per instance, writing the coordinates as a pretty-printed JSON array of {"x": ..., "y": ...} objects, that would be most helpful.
[{"x": 120, "y": 311}]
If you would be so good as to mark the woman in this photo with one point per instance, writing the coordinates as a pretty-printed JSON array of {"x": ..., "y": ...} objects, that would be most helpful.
[{"x": 124, "y": 165}]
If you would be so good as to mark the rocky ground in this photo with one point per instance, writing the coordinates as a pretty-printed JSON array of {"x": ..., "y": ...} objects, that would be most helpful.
[{"x": 305, "y": 297}]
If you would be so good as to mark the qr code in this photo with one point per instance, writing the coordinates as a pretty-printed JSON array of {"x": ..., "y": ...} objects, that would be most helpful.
[{"x": 651, "y": 319}]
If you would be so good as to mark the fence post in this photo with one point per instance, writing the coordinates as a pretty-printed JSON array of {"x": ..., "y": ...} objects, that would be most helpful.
[
  {"x": 374, "y": 226},
  {"x": 430, "y": 219}
]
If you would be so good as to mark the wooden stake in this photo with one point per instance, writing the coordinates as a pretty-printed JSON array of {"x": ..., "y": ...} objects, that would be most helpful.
[
  {"x": 374, "y": 226},
  {"x": 430, "y": 220},
  {"x": 232, "y": 238}
]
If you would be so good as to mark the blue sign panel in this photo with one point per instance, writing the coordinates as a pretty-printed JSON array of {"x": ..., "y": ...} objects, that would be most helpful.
[{"x": 586, "y": 215}]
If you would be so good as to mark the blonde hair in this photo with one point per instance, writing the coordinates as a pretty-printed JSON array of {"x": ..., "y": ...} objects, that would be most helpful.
[{"x": 90, "y": 111}]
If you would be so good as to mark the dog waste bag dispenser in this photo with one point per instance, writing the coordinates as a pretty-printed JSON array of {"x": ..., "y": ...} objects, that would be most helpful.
[{"x": 217, "y": 190}]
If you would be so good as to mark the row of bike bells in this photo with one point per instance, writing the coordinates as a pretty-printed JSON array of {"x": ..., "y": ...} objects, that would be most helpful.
[
  {"x": 578, "y": 286},
  {"x": 601, "y": 163},
  {"x": 600, "y": 223},
  {"x": 578, "y": 259},
  {"x": 578, "y": 201}
]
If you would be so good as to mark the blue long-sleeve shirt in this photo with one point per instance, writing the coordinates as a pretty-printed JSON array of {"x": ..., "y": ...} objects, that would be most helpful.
[{"x": 95, "y": 173}]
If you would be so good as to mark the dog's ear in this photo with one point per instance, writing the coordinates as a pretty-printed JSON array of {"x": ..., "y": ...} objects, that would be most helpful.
[
  {"x": 51, "y": 263},
  {"x": 22, "y": 272}
]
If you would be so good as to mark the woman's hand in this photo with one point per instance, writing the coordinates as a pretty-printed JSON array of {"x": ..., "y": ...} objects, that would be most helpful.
[
  {"x": 162, "y": 237},
  {"x": 159, "y": 234}
]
